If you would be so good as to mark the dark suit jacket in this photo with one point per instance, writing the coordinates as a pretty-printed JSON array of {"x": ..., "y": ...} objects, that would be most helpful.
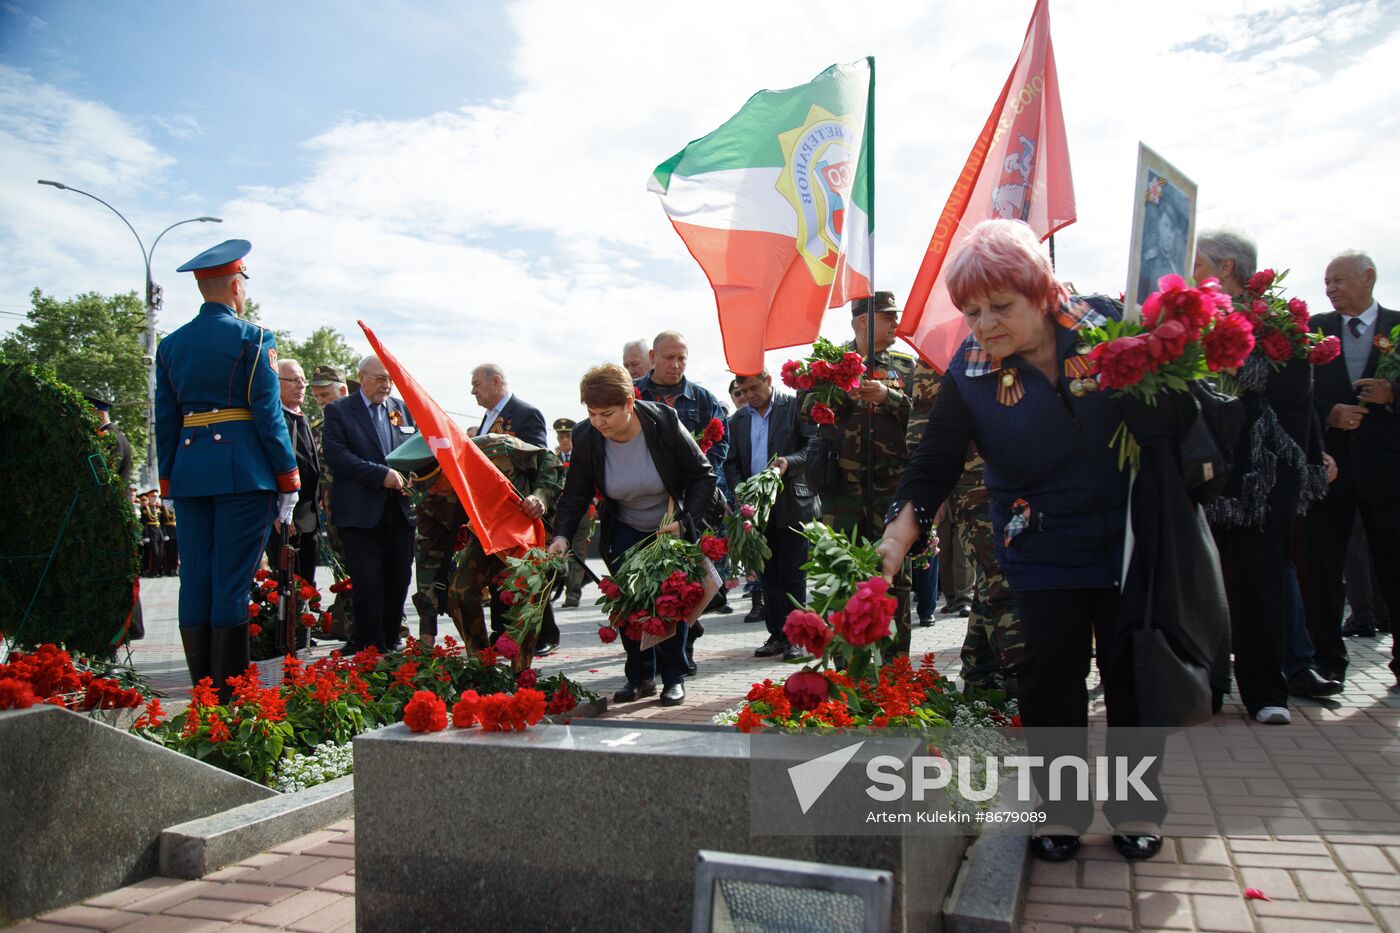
[
  {"x": 308, "y": 466},
  {"x": 788, "y": 436},
  {"x": 684, "y": 470},
  {"x": 1368, "y": 457},
  {"x": 351, "y": 447},
  {"x": 521, "y": 419}
]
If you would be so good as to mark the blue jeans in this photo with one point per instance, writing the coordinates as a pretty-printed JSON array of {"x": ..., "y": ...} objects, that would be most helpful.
[{"x": 926, "y": 589}]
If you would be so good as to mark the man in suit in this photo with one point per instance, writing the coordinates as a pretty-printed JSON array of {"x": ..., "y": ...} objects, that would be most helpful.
[
  {"x": 769, "y": 430},
  {"x": 369, "y": 504},
  {"x": 506, "y": 413},
  {"x": 1362, "y": 418},
  {"x": 305, "y": 521},
  {"x": 225, "y": 458}
]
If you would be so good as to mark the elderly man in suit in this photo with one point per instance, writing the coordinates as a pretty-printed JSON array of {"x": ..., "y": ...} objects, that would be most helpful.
[
  {"x": 506, "y": 413},
  {"x": 1362, "y": 418},
  {"x": 768, "y": 430},
  {"x": 369, "y": 505}
]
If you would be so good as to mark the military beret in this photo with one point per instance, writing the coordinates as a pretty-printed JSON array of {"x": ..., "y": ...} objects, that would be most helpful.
[
  {"x": 219, "y": 261},
  {"x": 412, "y": 456},
  {"x": 326, "y": 376},
  {"x": 880, "y": 302},
  {"x": 564, "y": 424},
  {"x": 101, "y": 403}
]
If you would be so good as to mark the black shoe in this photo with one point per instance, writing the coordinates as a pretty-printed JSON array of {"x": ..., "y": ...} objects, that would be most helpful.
[
  {"x": 1309, "y": 683},
  {"x": 771, "y": 648},
  {"x": 691, "y": 668},
  {"x": 965, "y": 611},
  {"x": 794, "y": 653},
  {"x": 1358, "y": 629},
  {"x": 1056, "y": 848},
  {"x": 673, "y": 695},
  {"x": 544, "y": 651},
  {"x": 925, "y": 620},
  {"x": 719, "y": 605},
  {"x": 571, "y": 601},
  {"x": 757, "y": 613},
  {"x": 631, "y": 692},
  {"x": 1137, "y": 847},
  {"x": 1383, "y": 627}
]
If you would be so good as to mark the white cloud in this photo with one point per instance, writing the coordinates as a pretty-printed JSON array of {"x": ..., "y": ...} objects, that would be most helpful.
[{"x": 519, "y": 230}]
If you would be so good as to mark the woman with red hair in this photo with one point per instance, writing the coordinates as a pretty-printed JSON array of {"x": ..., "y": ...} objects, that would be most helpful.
[{"x": 1059, "y": 501}]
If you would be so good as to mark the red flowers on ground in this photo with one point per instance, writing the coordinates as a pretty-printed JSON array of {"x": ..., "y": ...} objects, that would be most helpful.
[
  {"x": 426, "y": 712},
  {"x": 16, "y": 694},
  {"x": 866, "y": 617}
]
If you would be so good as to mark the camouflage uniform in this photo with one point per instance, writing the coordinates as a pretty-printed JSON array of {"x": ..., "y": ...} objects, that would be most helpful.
[
  {"x": 342, "y": 606},
  {"x": 573, "y": 591},
  {"x": 995, "y": 645},
  {"x": 843, "y": 505},
  {"x": 533, "y": 471},
  {"x": 439, "y": 515}
]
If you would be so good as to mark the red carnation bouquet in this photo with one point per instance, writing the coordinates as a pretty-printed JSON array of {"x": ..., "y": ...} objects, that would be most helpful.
[
  {"x": 262, "y": 612},
  {"x": 1185, "y": 334},
  {"x": 828, "y": 374},
  {"x": 712, "y": 435},
  {"x": 662, "y": 581},
  {"x": 525, "y": 586},
  {"x": 1281, "y": 331}
]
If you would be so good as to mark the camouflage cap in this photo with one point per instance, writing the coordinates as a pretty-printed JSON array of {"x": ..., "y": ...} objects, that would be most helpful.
[
  {"x": 412, "y": 456},
  {"x": 880, "y": 302},
  {"x": 327, "y": 375}
]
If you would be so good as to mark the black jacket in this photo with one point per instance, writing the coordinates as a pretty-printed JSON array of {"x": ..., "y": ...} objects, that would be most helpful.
[
  {"x": 521, "y": 419},
  {"x": 1369, "y": 457},
  {"x": 685, "y": 472},
  {"x": 788, "y": 436}
]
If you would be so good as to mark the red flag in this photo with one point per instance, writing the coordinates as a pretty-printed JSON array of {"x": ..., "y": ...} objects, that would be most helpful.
[
  {"x": 490, "y": 500},
  {"x": 1018, "y": 169}
]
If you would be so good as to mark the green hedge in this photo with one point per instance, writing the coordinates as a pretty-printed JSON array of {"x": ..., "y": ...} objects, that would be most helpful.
[{"x": 69, "y": 545}]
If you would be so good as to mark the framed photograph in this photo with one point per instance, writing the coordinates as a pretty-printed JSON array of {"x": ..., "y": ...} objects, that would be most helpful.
[{"x": 1164, "y": 228}]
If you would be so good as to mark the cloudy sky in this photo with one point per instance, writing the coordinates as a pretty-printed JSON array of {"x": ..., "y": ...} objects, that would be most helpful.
[{"x": 470, "y": 178}]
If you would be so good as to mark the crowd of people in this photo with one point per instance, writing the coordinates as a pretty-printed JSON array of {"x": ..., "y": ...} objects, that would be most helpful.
[{"x": 1000, "y": 471}]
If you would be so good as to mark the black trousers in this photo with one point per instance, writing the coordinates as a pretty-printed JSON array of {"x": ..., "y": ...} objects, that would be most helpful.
[
  {"x": 549, "y": 628},
  {"x": 782, "y": 579},
  {"x": 307, "y": 547},
  {"x": 1329, "y": 529},
  {"x": 1363, "y": 589},
  {"x": 380, "y": 562},
  {"x": 1255, "y": 564},
  {"x": 1053, "y": 694},
  {"x": 667, "y": 658}
]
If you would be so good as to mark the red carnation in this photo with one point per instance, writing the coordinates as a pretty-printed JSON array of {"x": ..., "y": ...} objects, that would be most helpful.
[
  {"x": 309, "y": 592},
  {"x": 822, "y": 414},
  {"x": 1276, "y": 346},
  {"x": 561, "y": 702},
  {"x": 865, "y": 619},
  {"x": 426, "y": 712},
  {"x": 16, "y": 694},
  {"x": 526, "y": 678},
  {"x": 508, "y": 597},
  {"x": 507, "y": 648},
  {"x": 308, "y": 619},
  {"x": 714, "y": 431},
  {"x": 806, "y": 690},
  {"x": 1229, "y": 343},
  {"x": 607, "y": 634},
  {"x": 789, "y": 373},
  {"x": 1260, "y": 281},
  {"x": 610, "y": 589},
  {"x": 530, "y": 705},
  {"x": 714, "y": 548},
  {"x": 1325, "y": 351},
  {"x": 254, "y": 610},
  {"x": 464, "y": 710},
  {"x": 807, "y": 630},
  {"x": 254, "y": 630}
]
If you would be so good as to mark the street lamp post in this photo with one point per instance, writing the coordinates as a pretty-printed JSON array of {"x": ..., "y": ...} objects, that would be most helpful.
[{"x": 153, "y": 303}]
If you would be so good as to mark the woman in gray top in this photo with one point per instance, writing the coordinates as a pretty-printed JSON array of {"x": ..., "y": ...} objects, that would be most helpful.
[{"x": 639, "y": 461}]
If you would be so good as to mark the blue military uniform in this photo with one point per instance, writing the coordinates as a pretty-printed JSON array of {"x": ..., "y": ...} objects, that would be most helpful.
[{"x": 224, "y": 455}]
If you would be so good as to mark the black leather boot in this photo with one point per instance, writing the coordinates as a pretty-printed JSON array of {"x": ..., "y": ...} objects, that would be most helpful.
[
  {"x": 229, "y": 657},
  {"x": 195, "y": 638}
]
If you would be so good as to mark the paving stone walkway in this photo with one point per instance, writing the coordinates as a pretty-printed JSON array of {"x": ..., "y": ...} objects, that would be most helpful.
[{"x": 1339, "y": 882}]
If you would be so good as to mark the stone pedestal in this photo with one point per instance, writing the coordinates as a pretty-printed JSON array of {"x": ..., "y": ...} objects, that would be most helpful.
[
  {"x": 591, "y": 826},
  {"x": 82, "y": 806}
]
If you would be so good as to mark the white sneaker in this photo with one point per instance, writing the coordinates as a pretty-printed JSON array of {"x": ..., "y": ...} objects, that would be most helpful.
[{"x": 1274, "y": 716}]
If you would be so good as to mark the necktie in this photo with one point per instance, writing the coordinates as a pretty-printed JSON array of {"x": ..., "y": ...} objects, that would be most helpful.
[
  {"x": 381, "y": 424},
  {"x": 1355, "y": 325}
]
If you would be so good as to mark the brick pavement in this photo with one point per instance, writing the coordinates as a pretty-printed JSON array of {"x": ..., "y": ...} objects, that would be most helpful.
[{"x": 1333, "y": 883}]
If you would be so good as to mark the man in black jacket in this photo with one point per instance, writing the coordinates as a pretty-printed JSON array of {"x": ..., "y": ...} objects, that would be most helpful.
[
  {"x": 768, "y": 430},
  {"x": 306, "y": 522},
  {"x": 506, "y": 413},
  {"x": 1362, "y": 418}
]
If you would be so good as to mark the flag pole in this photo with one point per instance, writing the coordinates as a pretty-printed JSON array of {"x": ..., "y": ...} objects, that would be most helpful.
[{"x": 868, "y": 474}]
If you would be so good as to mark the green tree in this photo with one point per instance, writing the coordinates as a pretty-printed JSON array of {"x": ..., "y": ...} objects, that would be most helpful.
[{"x": 94, "y": 343}]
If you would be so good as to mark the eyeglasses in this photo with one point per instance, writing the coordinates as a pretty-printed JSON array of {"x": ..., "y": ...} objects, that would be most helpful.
[
  {"x": 299, "y": 382},
  {"x": 373, "y": 379}
]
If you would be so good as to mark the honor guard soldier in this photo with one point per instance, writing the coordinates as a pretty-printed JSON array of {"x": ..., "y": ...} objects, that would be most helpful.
[
  {"x": 564, "y": 434},
  {"x": 152, "y": 539},
  {"x": 225, "y": 458}
]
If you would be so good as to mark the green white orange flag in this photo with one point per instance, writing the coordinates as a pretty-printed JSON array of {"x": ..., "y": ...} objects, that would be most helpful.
[
  {"x": 778, "y": 208},
  {"x": 489, "y": 499},
  {"x": 1018, "y": 169}
]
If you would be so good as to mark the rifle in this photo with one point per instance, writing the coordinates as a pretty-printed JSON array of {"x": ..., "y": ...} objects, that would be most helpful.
[{"x": 287, "y": 597}]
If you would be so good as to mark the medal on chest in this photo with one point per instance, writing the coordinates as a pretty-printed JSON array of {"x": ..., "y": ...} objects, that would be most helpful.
[{"x": 1010, "y": 389}]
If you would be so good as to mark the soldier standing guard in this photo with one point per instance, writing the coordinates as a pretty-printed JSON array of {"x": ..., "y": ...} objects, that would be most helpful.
[
  {"x": 153, "y": 539},
  {"x": 225, "y": 458},
  {"x": 171, "y": 559},
  {"x": 573, "y": 594},
  {"x": 884, "y": 392}
]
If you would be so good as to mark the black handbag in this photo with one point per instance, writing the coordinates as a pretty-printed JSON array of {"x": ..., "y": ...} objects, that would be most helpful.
[
  {"x": 823, "y": 473},
  {"x": 1209, "y": 444}
]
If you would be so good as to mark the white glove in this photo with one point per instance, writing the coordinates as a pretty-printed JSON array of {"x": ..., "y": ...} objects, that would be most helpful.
[{"x": 286, "y": 504}]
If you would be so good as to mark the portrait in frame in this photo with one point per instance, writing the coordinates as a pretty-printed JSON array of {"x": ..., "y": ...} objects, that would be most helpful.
[{"x": 1164, "y": 228}]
